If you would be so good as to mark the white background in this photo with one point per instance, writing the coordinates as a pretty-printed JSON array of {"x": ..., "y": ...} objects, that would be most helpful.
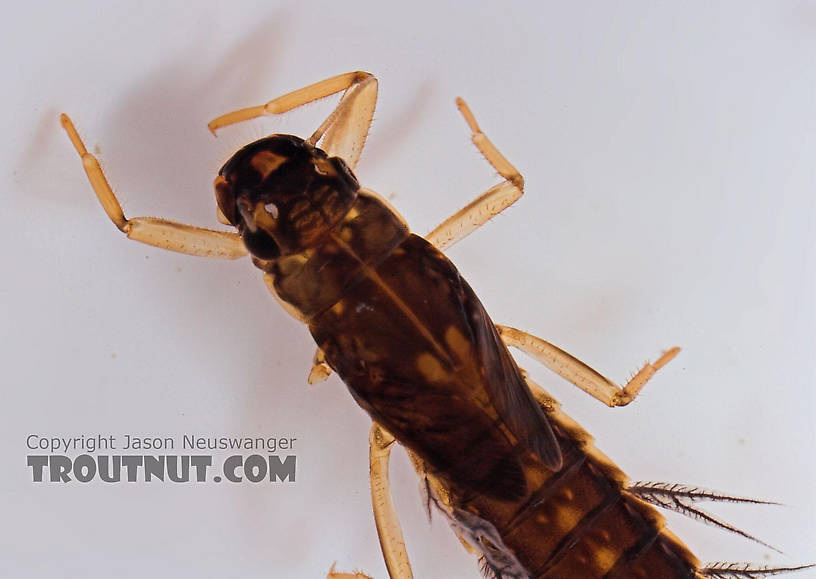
[{"x": 670, "y": 158}]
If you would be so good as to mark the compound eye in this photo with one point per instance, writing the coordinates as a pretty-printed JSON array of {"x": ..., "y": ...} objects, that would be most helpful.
[
  {"x": 225, "y": 200},
  {"x": 260, "y": 244}
]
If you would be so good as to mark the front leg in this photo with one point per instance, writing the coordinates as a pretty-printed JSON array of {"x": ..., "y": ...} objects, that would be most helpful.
[
  {"x": 151, "y": 230},
  {"x": 343, "y": 132}
]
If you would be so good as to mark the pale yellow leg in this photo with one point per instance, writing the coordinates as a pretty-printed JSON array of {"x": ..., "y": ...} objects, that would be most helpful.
[
  {"x": 332, "y": 574},
  {"x": 385, "y": 515},
  {"x": 320, "y": 369},
  {"x": 489, "y": 204},
  {"x": 574, "y": 370},
  {"x": 153, "y": 231},
  {"x": 344, "y": 131}
]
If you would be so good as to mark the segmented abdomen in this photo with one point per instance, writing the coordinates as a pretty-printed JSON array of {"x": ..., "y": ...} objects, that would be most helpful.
[{"x": 576, "y": 523}]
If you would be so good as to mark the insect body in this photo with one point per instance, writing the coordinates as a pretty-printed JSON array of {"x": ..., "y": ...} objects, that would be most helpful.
[{"x": 518, "y": 480}]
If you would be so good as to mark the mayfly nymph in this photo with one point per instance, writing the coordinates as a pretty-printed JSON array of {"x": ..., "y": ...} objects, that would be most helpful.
[{"x": 519, "y": 481}]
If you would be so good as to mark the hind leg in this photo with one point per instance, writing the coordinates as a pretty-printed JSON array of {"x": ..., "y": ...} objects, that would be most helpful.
[
  {"x": 385, "y": 514},
  {"x": 579, "y": 373}
]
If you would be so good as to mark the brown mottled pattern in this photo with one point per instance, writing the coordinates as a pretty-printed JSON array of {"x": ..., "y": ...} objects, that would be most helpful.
[
  {"x": 317, "y": 278},
  {"x": 578, "y": 523},
  {"x": 406, "y": 375},
  {"x": 419, "y": 354}
]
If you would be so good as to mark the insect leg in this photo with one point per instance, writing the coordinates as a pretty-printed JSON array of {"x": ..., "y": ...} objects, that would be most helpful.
[
  {"x": 332, "y": 574},
  {"x": 385, "y": 515},
  {"x": 320, "y": 369},
  {"x": 580, "y": 374},
  {"x": 153, "y": 231},
  {"x": 491, "y": 202},
  {"x": 344, "y": 131}
]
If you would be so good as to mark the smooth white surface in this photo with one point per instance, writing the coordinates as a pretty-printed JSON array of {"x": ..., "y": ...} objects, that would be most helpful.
[{"x": 669, "y": 156}]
